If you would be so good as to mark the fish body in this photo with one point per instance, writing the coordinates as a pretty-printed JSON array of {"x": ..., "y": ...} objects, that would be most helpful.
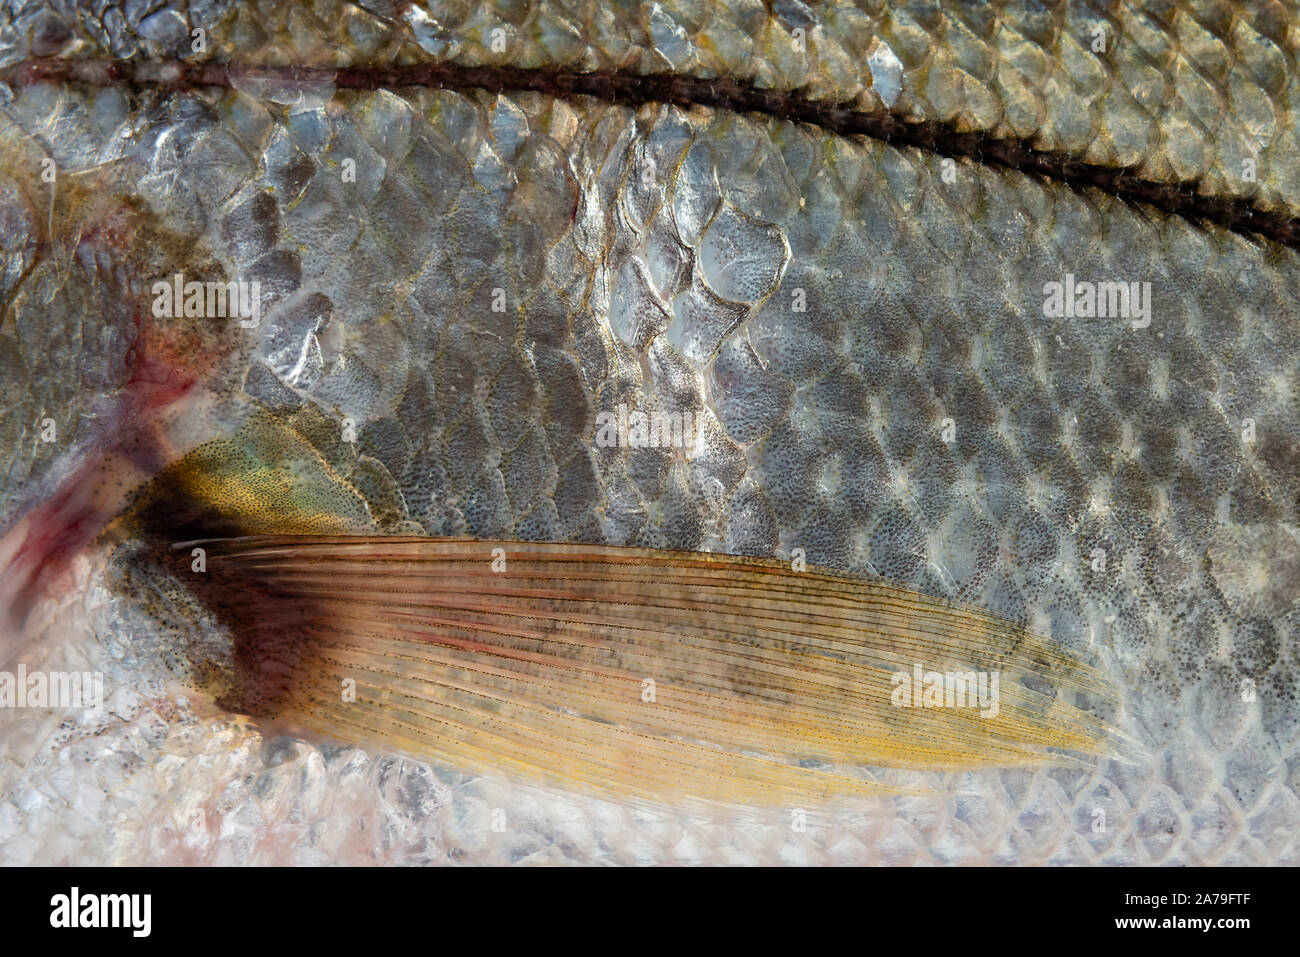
[{"x": 895, "y": 364}]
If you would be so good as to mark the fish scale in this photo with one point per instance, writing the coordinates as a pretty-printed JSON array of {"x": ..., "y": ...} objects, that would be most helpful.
[
  {"x": 1183, "y": 92},
  {"x": 823, "y": 430}
]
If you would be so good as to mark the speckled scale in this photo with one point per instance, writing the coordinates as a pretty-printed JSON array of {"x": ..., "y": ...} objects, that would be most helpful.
[{"x": 504, "y": 268}]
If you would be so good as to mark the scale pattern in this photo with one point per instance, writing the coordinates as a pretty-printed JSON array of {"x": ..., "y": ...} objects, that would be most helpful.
[
  {"x": 1186, "y": 91},
  {"x": 860, "y": 335}
]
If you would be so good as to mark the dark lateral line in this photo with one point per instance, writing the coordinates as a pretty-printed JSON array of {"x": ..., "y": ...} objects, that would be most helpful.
[{"x": 1181, "y": 199}]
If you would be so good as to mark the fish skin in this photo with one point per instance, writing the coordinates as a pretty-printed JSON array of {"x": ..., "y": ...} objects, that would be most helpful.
[
  {"x": 1178, "y": 91},
  {"x": 822, "y": 432}
]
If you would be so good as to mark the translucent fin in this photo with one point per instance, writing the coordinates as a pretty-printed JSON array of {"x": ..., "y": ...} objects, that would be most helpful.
[{"x": 629, "y": 671}]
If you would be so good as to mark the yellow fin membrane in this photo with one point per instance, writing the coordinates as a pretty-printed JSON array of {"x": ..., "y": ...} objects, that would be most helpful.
[{"x": 634, "y": 672}]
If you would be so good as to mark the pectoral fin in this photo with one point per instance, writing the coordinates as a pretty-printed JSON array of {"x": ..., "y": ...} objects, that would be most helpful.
[{"x": 629, "y": 671}]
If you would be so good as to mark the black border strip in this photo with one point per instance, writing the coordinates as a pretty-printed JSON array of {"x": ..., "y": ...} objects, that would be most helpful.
[{"x": 343, "y": 909}]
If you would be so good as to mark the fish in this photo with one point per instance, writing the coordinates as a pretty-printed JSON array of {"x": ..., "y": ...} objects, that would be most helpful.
[{"x": 985, "y": 312}]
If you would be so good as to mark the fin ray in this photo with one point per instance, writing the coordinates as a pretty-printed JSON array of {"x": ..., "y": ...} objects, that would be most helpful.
[{"x": 767, "y": 683}]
